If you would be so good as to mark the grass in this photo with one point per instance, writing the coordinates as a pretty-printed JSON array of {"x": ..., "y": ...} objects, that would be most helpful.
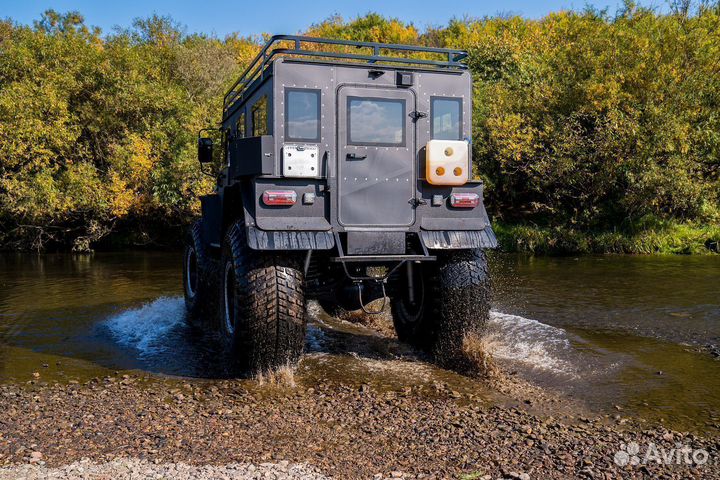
[{"x": 648, "y": 237}]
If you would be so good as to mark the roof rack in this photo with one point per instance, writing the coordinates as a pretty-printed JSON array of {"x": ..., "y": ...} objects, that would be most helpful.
[{"x": 259, "y": 64}]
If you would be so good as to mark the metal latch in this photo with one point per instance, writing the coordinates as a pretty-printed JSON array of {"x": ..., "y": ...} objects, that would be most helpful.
[
  {"x": 416, "y": 115},
  {"x": 417, "y": 201}
]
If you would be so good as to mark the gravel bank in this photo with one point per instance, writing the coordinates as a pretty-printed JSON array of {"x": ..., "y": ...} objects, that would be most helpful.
[
  {"x": 142, "y": 469},
  {"x": 343, "y": 431}
]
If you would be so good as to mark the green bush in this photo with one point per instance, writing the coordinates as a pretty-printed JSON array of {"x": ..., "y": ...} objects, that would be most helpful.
[{"x": 665, "y": 238}]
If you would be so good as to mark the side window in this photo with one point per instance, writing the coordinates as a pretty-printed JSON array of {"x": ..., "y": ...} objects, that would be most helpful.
[
  {"x": 260, "y": 117},
  {"x": 302, "y": 115},
  {"x": 446, "y": 118},
  {"x": 226, "y": 144},
  {"x": 241, "y": 126},
  {"x": 376, "y": 121}
]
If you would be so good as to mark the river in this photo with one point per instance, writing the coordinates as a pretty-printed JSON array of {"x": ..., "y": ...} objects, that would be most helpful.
[{"x": 636, "y": 335}]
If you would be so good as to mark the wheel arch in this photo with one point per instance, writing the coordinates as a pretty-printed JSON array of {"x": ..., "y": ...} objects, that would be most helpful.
[{"x": 235, "y": 204}]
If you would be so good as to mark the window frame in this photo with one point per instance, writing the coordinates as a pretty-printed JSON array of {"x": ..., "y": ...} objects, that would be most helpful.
[
  {"x": 459, "y": 101},
  {"x": 265, "y": 100},
  {"x": 318, "y": 94},
  {"x": 402, "y": 101}
]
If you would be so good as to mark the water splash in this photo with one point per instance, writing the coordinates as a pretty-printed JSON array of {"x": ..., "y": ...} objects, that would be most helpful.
[
  {"x": 530, "y": 343},
  {"x": 146, "y": 328}
]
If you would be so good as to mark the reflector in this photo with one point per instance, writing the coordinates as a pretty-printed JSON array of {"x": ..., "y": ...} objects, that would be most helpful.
[
  {"x": 464, "y": 200},
  {"x": 279, "y": 197}
]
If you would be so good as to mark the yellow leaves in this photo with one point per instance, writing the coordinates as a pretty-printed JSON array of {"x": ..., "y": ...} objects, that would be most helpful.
[
  {"x": 514, "y": 138},
  {"x": 31, "y": 200},
  {"x": 140, "y": 161},
  {"x": 130, "y": 176},
  {"x": 121, "y": 197},
  {"x": 370, "y": 28},
  {"x": 133, "y": 160},
  {"x": 575, "y": 112}
]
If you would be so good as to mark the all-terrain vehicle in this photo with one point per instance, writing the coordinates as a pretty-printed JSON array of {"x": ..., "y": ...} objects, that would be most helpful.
[{"x": 346, "y": 177}]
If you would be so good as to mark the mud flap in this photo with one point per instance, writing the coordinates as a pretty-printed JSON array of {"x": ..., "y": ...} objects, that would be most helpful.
[{"x": 459, "y": 239}]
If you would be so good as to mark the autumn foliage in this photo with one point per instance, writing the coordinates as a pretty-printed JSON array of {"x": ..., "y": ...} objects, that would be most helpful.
[{"x": 586, "y": 125}]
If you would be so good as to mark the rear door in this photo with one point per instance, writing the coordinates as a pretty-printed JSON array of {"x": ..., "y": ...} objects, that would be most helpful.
[{"x": 376, "y": 157}]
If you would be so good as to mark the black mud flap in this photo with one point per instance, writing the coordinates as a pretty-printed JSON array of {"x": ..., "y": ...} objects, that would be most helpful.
[
  {"x": 289, "y": 240},
  {"x": 459, "y": 239},
  {"x": 211, "y": 215}
]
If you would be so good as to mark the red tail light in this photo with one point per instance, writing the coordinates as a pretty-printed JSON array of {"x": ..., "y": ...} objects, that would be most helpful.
[
  {"x": 464, "y": 200},
  {"x": 279, "y": 197}
]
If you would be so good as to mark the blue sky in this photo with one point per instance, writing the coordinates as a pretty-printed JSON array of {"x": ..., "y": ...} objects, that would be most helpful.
[{"x": 281, "y": 16}]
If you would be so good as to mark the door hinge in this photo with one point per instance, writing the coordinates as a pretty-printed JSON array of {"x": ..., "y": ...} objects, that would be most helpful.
[
  {"x": 416, "y": 115},
  {"x": 417, "y": 201}
]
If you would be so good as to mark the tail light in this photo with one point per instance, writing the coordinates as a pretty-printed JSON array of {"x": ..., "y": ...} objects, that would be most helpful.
[
  {"x": 279, "y": 197},
  {"x": 465, "y": 200}
]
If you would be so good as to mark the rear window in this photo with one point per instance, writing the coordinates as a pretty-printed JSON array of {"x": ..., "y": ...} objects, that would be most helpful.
[
  {"x": 302, "y": 115},
  {"x": 376, "y": 121},
  {"x": 446, "y": 116}
]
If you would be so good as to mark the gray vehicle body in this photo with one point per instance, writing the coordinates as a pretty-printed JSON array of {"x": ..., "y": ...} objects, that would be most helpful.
[{"x": 367, "y": 198}]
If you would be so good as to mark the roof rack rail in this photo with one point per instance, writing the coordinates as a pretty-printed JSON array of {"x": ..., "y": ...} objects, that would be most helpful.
[{"x": 259, "y": 64}]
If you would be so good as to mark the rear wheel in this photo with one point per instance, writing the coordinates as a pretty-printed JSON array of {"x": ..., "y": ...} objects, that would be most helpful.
[
  {"x": 195, "y": 278},
  {"x": 263, "y": 304},
  {"x": 443, "y": 304}
]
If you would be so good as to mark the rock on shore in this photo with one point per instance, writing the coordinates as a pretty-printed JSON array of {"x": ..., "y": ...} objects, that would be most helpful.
[{"x": 342, "y": 431}]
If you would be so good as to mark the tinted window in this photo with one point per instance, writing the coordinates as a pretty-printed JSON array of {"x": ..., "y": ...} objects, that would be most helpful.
[
  {"x": 376, "y": 121},
  {"x": 241, "y": 126},
  {"x": 446, "y": 118},
  {"x": 259, "y": 117},
  {"x": 302, "y": 115}
]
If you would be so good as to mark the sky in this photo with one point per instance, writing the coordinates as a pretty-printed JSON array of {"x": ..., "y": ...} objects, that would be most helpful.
[{"x": 282, "y": 16}]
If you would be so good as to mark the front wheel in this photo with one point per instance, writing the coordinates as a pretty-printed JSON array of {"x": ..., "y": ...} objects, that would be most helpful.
[
  {"x": 436, "y": 306},
  {"x": 263, "y": 304}
]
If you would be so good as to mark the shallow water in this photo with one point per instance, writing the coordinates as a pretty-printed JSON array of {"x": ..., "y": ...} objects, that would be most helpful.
[{"x": 623, "y": 334}]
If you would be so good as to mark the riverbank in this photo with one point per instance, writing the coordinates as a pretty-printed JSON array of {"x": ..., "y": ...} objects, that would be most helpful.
[
  {"x": 661, "y": 239},
  {"x": 341, "y": 431},
  {"x": 360, "y": 405},
  {"x": 98, "y": 363}
]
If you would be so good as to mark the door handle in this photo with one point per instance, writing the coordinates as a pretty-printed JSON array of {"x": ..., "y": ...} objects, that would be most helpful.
[{"x": 355, "y": 156}]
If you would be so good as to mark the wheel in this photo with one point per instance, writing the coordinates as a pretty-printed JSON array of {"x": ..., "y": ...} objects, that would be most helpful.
[
  {"x": 411, "y": 307},
  {"x": 449, "y": 300},
  {"x": 262, "y": 314},
  {"x": 195, "y": 275}
]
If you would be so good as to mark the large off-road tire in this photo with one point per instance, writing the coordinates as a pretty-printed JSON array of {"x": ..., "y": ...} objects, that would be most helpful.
[
  {"x": 262, "y": 312},
  {"x": 196, "y": 287},
  {"x": 452, "y": 302}
]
